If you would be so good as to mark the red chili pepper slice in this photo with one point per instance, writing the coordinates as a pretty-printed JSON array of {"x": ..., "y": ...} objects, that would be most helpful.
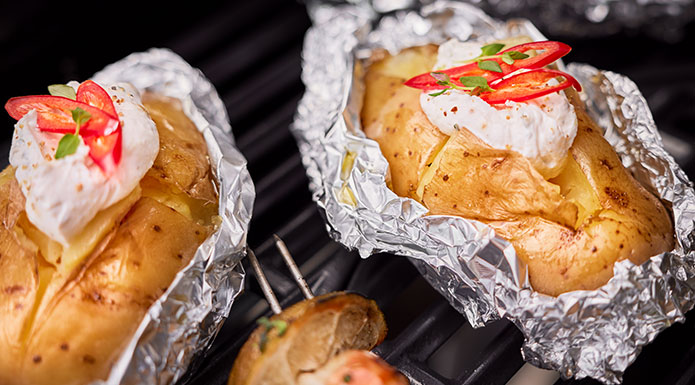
[
  {"x": 54, "y": 114},
  {"x": 528, "y": 85},
  {"x": 101, "y": 133},
  {"x": 105, "y": 151},
  {"x": 91, "y": 93},
  {"x": 552, "y": 50}
]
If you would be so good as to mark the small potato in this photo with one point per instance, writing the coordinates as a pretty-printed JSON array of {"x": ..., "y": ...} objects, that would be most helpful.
[
  {"x": 316, "y": 330},
  {"x": 570, "y": 230}
]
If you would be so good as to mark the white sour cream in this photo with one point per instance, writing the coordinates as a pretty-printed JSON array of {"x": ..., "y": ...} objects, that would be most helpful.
[
  {"x": 63, "y": 195},
  {"x": 540, "y": 129}
]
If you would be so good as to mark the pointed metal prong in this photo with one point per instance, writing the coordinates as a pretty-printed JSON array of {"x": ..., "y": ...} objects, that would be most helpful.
[
  {"x": 292, "y": 265},
  {"x": 263, "y": 281}
]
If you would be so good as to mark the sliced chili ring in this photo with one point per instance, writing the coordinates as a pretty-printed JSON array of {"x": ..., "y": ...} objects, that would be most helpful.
[
  {"x": 55, "y": 114},
  {"x": 528, "y": 85},
  {"x": 93, "y": 94},
  {"x": 552, "y": 50},
  {"x": 105, "y": 151}
]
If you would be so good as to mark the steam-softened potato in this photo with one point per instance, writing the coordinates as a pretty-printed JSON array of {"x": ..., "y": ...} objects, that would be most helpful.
[
  {"x": 570, "y": 230},
  {"x": 316, "y": 330},
  {"x": 65, "y": 320}
]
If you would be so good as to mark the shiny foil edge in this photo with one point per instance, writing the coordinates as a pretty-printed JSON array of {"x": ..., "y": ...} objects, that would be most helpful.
[
  {"x": 182, "y": 323},
  {"x": 592, "y": 333}
]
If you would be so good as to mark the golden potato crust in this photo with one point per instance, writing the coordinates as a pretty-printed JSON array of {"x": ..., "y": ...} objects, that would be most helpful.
[
  {"x": 69, "y": 329},
  {"x": 317, "y": 330},
  {"x": 569, "y": 230}
]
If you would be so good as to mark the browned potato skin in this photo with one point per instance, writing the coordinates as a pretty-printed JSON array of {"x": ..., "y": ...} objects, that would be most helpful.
[
  {"x": 76, "y": 339},
  {"x": 564, "y": 250},
  {"x": 359, "y": 366},
  {"x": 393, "y": 112},
  {"x": 318, "y": 329}
]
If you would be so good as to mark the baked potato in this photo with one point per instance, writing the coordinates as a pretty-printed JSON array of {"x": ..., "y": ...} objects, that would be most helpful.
[
  {"x": 66, "y": 313},
  {"x": 569, "y": 230},
  {"x": 313, "y": 342}
]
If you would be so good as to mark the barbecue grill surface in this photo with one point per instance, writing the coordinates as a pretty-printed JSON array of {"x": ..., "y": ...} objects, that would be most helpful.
[{"x": 251, "y": 51}]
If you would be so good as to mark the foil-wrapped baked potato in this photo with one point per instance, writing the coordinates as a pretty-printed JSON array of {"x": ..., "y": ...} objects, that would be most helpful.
[
  {"x": 67, "y": 313},
  {"x": 569, "y": 230}
]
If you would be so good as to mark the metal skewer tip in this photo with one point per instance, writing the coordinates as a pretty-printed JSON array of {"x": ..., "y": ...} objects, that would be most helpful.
[
  {"x": 263, "y": 281},
  {"x": 292, "y": 265}
]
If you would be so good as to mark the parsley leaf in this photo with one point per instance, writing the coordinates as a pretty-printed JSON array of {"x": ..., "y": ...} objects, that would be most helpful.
[
  {"x": 347, "y": 378},
  {"x": 491, "y": 49},
  {"x": 490, "y": 65},
  {"x": 67, "y": 146},
  {"x": 63, "y": 90}
]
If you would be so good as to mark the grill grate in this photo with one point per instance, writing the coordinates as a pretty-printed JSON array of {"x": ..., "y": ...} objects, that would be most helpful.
[{"x": 251, "y": 51}]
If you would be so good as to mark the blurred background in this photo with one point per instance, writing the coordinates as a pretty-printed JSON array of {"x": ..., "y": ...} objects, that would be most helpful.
[{"x": 251, "y": 51}]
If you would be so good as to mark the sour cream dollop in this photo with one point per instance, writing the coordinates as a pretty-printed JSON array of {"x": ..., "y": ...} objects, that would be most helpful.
[
  {"x": 63, "y": 195},
  {"x": 540, "y": 129}
]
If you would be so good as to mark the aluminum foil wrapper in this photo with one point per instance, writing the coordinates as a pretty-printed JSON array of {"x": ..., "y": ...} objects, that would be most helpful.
[
  {"x": 660, "y": 19},
  {"x": 583, "y": 333},
  {"x": 185, "y": 319}
]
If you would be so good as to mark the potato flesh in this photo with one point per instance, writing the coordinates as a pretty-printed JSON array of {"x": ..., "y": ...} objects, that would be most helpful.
[
  {"x": 569, "y": 230},
  {"x": 69, "y": 312}
]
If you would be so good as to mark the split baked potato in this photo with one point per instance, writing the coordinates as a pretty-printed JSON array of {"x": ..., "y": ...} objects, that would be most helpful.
[
  {"x": 67, "y": 313},
  {"x": 569, "y": 230}
]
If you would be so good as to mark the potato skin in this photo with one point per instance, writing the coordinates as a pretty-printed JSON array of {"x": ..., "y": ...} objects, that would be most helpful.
[
  {"x": 318, "y": 329},
  {"x": 569, "y": 230},
  {"x": 82, "y": 327}
]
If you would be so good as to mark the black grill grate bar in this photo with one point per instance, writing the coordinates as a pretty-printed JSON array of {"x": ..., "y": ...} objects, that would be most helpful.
[
  {"x": 430, "y": 320},
  {"x": 265, "y": 90},
  {"x": 268, "y": 134},
  {"x": 499, "y": 361},
  {"x": 246, "y": 58},
  {"x": 277, "y": 185},
  {"x": 236, "y": 20}
]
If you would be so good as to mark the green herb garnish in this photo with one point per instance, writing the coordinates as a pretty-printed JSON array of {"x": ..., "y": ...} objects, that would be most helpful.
[
  {"x": 489, "y": 65},
  {"x": 280, "y": 327},
  {"x": 347, "y": 378},
  {"x": 491, "y": 49},
  {"x": 475, "y": 81},
  {"x": 80, "y": 117},
  {"x": 471, "y": 84},
  {"x": 69, "y": 143},
  {"x": 63, "y": 90}
]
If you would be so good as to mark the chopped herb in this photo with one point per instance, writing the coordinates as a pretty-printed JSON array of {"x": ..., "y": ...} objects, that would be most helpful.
[
  {"x": 489, "y": 65},
  {"x": 68, "y": 145},
  {"x": 507, "y": 58},
  {"x": 475, "y": 81},
  {"x": 516, "y": 55},
  {"x": 347, "y": 378},
  {"x": 491, "y": 49},
  {"x": 63, "y": 90},
  {"x": 440, "y": 92},
  {"x": 279, "y": 325},
  {"x": 80, "y": 117}
]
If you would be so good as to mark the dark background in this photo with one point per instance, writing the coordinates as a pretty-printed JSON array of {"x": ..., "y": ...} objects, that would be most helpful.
[{"x": 251, "y": 51}]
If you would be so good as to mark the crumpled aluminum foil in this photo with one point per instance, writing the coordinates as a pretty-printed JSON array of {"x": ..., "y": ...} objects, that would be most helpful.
[
  {"x": 186, "y": 318},
  {"x": 583, "y": 333}
]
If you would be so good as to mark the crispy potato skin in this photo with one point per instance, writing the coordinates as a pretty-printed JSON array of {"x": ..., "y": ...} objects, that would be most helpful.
[
  {"x": 569, "y": 230},
  {"x": 82, "y": 326},
  {"x": 318, "y": 329}
]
